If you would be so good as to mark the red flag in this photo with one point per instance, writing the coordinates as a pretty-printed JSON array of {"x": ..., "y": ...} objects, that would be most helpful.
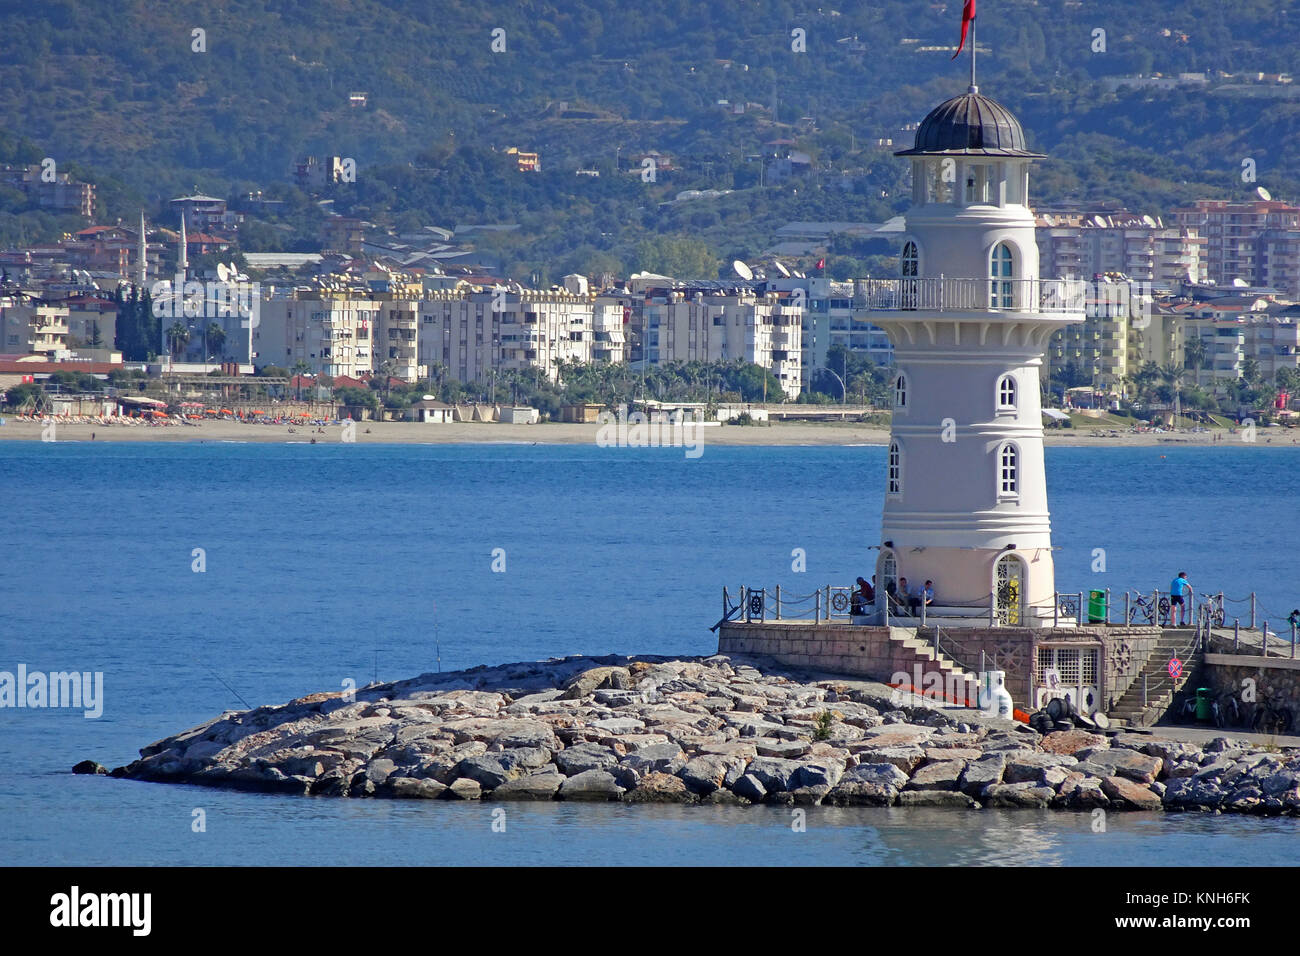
[
  {"x": 821, "y": 263},
  {"x": 967, "y": 15}
]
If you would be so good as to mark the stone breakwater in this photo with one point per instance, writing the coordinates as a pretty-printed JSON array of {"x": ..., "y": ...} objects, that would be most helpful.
[{"x": 715, "y": 730}]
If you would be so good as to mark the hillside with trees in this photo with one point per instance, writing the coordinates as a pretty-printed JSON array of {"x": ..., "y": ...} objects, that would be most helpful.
[{"x": 128, "y": 95}]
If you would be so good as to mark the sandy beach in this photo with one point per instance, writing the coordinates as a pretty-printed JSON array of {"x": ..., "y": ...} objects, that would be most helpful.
[{"x": 794, "y": 433}]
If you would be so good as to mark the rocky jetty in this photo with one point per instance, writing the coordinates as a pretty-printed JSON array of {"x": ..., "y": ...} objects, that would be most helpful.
[{"x": 719, "y": 729}]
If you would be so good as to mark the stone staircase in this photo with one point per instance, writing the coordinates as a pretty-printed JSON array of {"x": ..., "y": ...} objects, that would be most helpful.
[
  {"x": 910, "y": 650},
  {"x": 1129, "y": 710}
]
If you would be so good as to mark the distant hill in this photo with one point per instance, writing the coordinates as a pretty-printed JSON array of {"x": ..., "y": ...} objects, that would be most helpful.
[{"x": 118, "y": 92}]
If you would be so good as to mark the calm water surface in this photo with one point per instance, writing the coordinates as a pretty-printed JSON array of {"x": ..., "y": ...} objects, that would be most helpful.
[{"x": 333, "y": 562}]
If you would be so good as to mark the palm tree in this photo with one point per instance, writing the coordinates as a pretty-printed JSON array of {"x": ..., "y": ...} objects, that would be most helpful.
[
  {"x": 178, "y": 337},
  {"x": 299, "y": 369},
  {"x": 1194, "y": 356},
  {"x": 214, "y": 337}
]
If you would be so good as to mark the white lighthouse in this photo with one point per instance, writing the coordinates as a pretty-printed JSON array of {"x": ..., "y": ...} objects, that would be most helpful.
[{"x": 969, "y": 319}]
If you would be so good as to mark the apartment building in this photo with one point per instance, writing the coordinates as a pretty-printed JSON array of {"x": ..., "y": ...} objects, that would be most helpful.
[
  {"x": 32, "y": 327},
  {"x": 1074, "y": 244},
  {"x": 474, "y": 335},
  {"x": 51, "y": 190},
  {"x": 711, "y": 321},
  {"x": 329, "y": 331},
  {"x": 1237, "y": 329},
  {"x": 1248, "y": 241},
  {"x": 1117, "y": 337}
]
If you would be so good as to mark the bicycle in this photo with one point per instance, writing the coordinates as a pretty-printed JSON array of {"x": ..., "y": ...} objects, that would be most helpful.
[
  {"x": 1227, "y": 711},
  {"x": 1270, "y": 717},
  {"x": 1212, "y": 606},
  {"x": 1142, "y": 606}
]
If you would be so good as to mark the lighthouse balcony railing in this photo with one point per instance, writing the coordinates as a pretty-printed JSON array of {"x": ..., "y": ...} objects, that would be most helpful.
[{"x": 945, "y": 294}]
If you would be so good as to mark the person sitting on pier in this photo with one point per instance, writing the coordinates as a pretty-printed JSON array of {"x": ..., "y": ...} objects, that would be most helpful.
[
  {"x": 902, "y": 596},
  {"x": 1180, "y": 592},
  {"x": 863, "y": 597},
  {"x": 923, "y": 595}
]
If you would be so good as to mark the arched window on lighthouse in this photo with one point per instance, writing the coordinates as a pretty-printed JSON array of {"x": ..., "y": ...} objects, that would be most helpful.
[
  {"x": 1008, "y": 471},
  {"x": 894, "y": 484},
  {"x": 910, "y": 262},
  {"x": 1001, "y": 277},
  {"x": 887, "y": 572},
  {"x": 900, "y": 391},
  {"x": 1006, "y": 394}
]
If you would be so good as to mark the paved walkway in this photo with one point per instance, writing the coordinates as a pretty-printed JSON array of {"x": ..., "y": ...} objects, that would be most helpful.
[{"x": 1203, "y": 735}]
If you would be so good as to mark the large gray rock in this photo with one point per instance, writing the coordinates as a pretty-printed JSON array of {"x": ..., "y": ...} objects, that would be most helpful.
[
  {"x": 905, "y": 759},
  {"x": 981, "y": 773},
  {"x": 585, "y": 683},
  {"x": 660, "y": 758},
  {"x": 936, "y": 798},
  {"x": 942, "y": 775},
  {"x": 1081, "y": 792},
  {"x": 1121, "y": 762},
  {"x": 749, "y": 787},
  {"x": 871, "y": 785},
  {"x": 1188, "y": 793},
  {"x": 486, "y": 769},
  {"x": 590, "y": 785},
  {"x": 535, "y": 786},
  {"x": 617, "y": 726},
  {"x": 583, "y": 757},
  {"x": 709, "y": 772},
  {"x": 1027, "y": 795},
  {"x": 463, "y": 789},
  {"x": 773, "y": 773},
  {"x": 1032, "y": 767},
  {"x": 773, "y": 747},
  {"x": 660, "y": 788},
  {"x": 412, "y": 788},
  {"x": 823, "y": 772},
  {"x": 1129, "y": 795}
]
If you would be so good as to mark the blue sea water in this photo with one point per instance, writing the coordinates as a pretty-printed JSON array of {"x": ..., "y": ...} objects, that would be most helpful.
[{"x": 356, "y": 561}]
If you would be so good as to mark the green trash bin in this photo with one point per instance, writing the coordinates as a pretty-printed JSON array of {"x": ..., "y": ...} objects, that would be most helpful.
[
  {"x": 1096, "y": 607},
  {"x": 1204, "y": 711}
]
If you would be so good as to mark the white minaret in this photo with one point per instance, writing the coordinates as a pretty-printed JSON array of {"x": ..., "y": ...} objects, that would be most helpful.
[
  {"x": 969, "y": 318},
  {"x": 143, "y": 270},
  {"x": 183, "y": 261}
]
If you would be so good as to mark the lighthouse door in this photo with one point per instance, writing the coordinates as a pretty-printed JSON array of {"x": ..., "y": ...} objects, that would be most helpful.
[{"x": 1010, "y": 589}]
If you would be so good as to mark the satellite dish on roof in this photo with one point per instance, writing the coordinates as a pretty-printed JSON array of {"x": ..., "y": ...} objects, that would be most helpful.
[
  {"x": 1191, "y": 274},
  {"x": 1049, "y": 219},
  {"x": 1263, "y": 193},
  {"x": 742, "y": 270},
  {"x": 780, "y": 267},
  {"x": 1150, "y": 221},
  {"x": 223, "y": 272},
  {"x": 800, "y": 275},
  {"x": 1239, "y": 283},
  {"x": 1100, "y": 221}
]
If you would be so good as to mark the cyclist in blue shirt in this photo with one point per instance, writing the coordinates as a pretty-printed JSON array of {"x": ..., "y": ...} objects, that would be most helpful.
[{"x": 1180, "y": 591}]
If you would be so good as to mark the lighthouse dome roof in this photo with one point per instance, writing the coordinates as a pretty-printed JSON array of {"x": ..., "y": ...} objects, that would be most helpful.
[{"x": 970, "y": 125}]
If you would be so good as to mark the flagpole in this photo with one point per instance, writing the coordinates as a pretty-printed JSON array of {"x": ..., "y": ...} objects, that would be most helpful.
[{"x": 973, "y": 87}]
